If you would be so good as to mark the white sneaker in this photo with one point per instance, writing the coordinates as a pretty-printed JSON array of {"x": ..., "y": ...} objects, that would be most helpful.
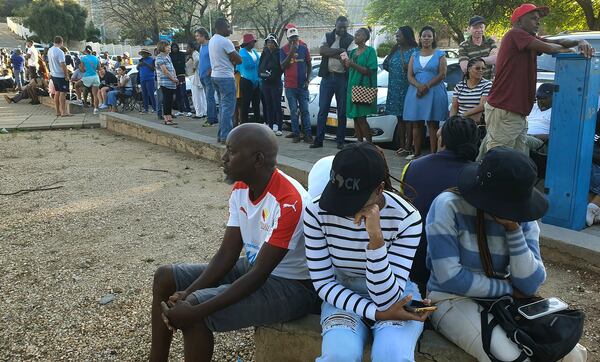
[
  {"x": 410, "y": 157},
  {"x": 178, "y": 114},
  {"x": 593, "y": 214},
  {"x": 95, "y": 111},
  {"x": 275, "y": 128},
  {"x": 78, "y": 102},
  {"x": 103, "y": 106},
  {"x": 189, "y": 114},
  {"x": 278, "y": 133}
]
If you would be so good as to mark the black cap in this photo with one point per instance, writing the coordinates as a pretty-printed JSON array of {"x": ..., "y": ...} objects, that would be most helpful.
[
  {"x": 477, "y": 20},
  {"x": 503, "y": 185},
  {"x": 545, "y": 90},
  {"x": 88, "y": 48},
  {"x": 356, "y": 172}
]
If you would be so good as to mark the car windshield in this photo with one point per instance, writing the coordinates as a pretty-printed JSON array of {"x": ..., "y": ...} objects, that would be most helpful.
[{"x": 547, "y": 63}]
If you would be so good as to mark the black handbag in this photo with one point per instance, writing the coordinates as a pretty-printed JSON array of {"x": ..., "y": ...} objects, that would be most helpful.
[{"x": 545, "y": 339}]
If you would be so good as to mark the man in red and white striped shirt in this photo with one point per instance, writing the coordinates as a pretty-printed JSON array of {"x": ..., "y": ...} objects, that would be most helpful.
[{"x": 269, "y": 284}]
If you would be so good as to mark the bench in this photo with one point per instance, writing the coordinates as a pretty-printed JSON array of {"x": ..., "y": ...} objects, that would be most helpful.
[
  {"x": 300, "y": 341},
  {"x": 71, "y": 108}
]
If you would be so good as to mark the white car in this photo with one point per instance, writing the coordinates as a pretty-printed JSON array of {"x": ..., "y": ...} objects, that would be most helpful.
[{"x": 383, "y": 126}]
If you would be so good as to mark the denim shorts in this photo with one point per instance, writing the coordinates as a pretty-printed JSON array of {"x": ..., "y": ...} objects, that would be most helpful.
[
  {"x": 595, "y": 180},
  {"x": 277, "y": 300}
]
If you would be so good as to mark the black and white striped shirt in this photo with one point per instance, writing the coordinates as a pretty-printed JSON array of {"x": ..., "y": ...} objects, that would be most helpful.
[
  {"x": 469, "y": 98},
  {"x": 335, "y": 245}
]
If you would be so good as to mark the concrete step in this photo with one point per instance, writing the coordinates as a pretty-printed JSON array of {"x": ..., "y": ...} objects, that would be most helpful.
[
  {"x": 300, "y": 341},
  {"x": 71, "y": 107}
]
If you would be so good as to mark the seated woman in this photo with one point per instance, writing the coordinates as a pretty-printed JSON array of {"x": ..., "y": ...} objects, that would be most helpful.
[
  {"x": 123, "y": 87},
  {"x": 107, "y": 81},
  {"x": 360, "y": 241},
  {"x": 471, "y": 94},
  {"x": 427, "y": 177},
  {"x": 498, "y": 196}
]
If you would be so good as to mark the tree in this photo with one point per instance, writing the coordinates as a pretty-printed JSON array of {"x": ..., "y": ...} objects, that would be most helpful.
[
  {"x": 48, "y": 18},
  {"x": 592, "y": 17},
  {"x": 271, "y": 16},
  {"x": 7, "y": 7},
  {"x": 92, "y": 33},
  {"x": 186, "y": 15}
]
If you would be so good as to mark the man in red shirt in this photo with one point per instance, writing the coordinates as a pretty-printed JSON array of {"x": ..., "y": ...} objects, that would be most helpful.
[{"x": 513, "y": 93}]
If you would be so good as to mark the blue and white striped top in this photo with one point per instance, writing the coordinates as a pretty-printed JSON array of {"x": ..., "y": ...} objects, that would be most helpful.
[
  {"x": 163, "y": 79},
  {"x": 453, "y": 253}
]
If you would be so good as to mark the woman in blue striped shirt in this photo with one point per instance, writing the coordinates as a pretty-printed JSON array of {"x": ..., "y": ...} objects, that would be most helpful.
[
  {"x": 167, "y": 79},
  {"x": 497, "y": 194}
]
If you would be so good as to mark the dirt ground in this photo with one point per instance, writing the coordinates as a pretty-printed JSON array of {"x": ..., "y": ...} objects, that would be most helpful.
[{"x": 105, "y": 231}]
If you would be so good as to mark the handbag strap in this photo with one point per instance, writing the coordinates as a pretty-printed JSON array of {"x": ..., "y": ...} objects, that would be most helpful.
[{"x": 484, "y": 250}]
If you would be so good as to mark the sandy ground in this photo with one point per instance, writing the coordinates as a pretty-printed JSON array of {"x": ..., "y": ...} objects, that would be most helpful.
[{"x": 104, "y": 232}]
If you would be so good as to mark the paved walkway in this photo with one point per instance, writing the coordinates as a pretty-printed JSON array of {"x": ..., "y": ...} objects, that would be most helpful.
[
  {"x": 24, "y": 116},
  {"x": 8, "y": 39}
]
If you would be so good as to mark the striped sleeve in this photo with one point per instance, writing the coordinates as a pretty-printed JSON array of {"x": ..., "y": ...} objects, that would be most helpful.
[
  {"x": 526, "y": 267},
  {"x": 486, "y": 89},
  {"x": 388, "y": 270},
  {"x": 321, "y": 270},
  {"x": 443, "y": 249}
]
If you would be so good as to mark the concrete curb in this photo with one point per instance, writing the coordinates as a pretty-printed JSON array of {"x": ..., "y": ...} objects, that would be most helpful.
[{"x": 558, "y": 244}]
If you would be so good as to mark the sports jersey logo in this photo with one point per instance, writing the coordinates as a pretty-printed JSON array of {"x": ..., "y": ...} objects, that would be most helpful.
[
  {"x": 243, "y": 210},
  {"x": 293, "y": 206},
  {"x": 265, "y": 215}
]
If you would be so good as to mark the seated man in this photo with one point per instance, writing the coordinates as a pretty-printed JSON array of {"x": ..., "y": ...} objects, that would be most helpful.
[
  {"x": 269, "y": 284},
  {"x": 35, "y": 88},
  {"x": 538, "y": 120},
  {"x": 78, "y": 85},
  {"x": 6, "y": 81}
]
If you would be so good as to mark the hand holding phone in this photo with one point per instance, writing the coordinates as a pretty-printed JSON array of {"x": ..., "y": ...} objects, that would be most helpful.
[{"x": 343, "y": 55}]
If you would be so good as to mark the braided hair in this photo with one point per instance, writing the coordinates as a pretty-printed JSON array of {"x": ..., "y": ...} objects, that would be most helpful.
[
  {"x": 460, "y": 135},
  {"x": 472, "y": 62}
]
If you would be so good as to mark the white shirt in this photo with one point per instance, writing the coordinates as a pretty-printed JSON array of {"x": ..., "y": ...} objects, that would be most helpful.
[
  {"x": 539, "y": 121},
  {"x": 424, "y": 59},
  {"x": 33, "y": 57},
  {"x": 218, "y": 49},
  {"x": 55, "y": 57},
  {"x": 274, "y": 218},
  {"x": 335, "y": 65}
]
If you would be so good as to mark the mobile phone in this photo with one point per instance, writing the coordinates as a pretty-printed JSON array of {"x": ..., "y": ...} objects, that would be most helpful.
[
  {"x": 416, "y": 306},
  {"x": 344, "y": 56},
  {"x": 542, "y": 307}
]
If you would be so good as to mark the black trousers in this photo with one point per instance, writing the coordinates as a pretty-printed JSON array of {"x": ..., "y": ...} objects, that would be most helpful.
[
  {"x": 250, "y": 94},
  {"x": 167, "y": 94}
]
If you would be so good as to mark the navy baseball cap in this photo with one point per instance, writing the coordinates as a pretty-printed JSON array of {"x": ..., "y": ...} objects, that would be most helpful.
[
  {"x": 357, "y": 170},
  {"x": 477, "y": 20}
]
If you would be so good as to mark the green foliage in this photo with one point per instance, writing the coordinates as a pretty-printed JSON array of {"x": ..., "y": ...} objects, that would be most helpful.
[
  {"x": 48, "y": 18},
  {"x": 7, "y": 7},
  {"x": 451, "y": 17},
  {"x": 92, "y": 33},
  {"x": 384, "y": 48}
]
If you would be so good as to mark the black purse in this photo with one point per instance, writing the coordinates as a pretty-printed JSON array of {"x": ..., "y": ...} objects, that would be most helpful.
[{"x": 545, "y": 339}]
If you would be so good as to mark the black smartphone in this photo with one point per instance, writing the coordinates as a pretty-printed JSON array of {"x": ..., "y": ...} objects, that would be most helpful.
[{"x": 417, "y": 306}]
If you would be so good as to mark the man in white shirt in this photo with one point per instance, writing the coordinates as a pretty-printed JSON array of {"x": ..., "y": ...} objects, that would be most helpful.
[
  {"x": 59, "y": 75},
  {"x": 223, "y": 58},
  {"x": 269, "y": 284},
  {"x": 32, "y": 60},
  {"x": 538, "y": 120}
]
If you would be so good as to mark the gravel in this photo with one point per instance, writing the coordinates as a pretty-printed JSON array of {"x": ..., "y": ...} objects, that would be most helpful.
[{"x": 77, "y": 261}]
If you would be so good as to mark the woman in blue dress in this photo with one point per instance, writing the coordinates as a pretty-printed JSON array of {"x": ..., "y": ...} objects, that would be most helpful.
[
  {"x": 396, "y": 64},
  {"x": 426, "y": 98}
]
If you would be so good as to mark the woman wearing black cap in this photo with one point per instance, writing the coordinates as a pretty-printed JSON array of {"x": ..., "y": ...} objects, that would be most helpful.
[
  {"x": 360, "y": 241},
  {"x": 270, "y": 72},
  {"x": 498, "y": 198}
]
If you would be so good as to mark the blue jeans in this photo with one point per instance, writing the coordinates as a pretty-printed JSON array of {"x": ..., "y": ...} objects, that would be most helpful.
[
  {"x": 332, "y": 84},
  {"x": 19, "y": 78},
  {"x": 225, "y": 88},
  {"x": 345, "y": 334},
  {"x": 183, "y": 103},
  {"x": 148, "y": 89},
  {"x": 112, "y": 96},
  {"x": 211, "y": 104},
  {"x": 298, "y": 98}
]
